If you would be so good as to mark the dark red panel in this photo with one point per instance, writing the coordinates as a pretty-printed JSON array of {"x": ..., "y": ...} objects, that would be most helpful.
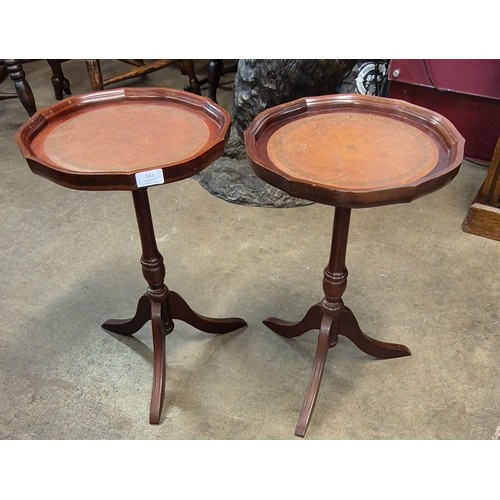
[
  {"x": 467, "y": 93},
  {"x": 479, "y": 77}
]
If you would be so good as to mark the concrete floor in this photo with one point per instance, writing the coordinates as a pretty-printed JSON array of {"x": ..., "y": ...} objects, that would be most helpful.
[{"x": 70, "y": 260}]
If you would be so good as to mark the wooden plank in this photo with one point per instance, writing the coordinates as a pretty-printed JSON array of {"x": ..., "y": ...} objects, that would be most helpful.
[
  {"x": 483, "y": 220},
  {"x": 489, "y": 193}
]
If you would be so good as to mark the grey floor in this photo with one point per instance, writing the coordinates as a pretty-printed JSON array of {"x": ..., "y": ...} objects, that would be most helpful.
[{"x": 70, "y": 260}]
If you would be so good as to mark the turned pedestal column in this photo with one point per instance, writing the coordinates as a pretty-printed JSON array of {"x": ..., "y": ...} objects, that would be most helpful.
[{"x": 161, "y": 306}]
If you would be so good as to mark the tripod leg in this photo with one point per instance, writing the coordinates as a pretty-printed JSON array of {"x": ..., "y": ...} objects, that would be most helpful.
[
  {"x": 317, "y": 373},
  {"x": 384, "y": 350},
  {"x": 159, "y": 336},
  {"x": 132, "y": 325},
  {"x": 311, "y": 321},
  {"x": 181, "y": 310}
]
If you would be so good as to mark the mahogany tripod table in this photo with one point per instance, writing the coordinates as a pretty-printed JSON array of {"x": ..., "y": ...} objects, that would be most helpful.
[
  {"x": 349, "y": 151},
  {"x": 130, "y": 139}
]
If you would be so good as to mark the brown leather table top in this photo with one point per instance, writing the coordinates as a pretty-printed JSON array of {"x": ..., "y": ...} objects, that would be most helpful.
[
  {"x": 123, "y": 137},
  {"x": 352, "y": 150}
]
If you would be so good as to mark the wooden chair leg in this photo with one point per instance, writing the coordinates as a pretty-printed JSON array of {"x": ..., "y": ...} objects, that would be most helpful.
[
  {"x": 215, "y": 67},
  {"x": 59, "y": 81},
  {"x": 3, "y": 72},
  {"x": 194, "y": 84},
  {"x": 95, "y": 74},
  {"x": 23, "y": 90}
]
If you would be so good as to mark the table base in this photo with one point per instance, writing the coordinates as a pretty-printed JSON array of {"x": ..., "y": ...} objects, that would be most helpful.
[
  {"x": 161, "y": 306},
  {"x": 332, "y": 318}
]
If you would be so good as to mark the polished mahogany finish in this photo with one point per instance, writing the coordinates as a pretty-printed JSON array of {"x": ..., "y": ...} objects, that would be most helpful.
[
  {"x": 101, "y": 141},
  {"x": 353, "y": 150},
  {"x": 349, "y": 151},
  {"x": 160, "y": 305}
]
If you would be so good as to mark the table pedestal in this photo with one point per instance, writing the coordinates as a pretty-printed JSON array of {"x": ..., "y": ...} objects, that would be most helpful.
[
  {"x": 332, "y": 318},
  {"x": 161, "y": 306}
]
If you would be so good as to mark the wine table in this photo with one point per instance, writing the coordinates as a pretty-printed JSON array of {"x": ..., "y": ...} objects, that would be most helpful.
[
  {"x": 349, "y": 151},
  {"x": 132, "y": 139}
]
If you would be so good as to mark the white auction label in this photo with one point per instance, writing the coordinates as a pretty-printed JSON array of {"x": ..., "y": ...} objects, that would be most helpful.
[{"x": 149, "y": 178}]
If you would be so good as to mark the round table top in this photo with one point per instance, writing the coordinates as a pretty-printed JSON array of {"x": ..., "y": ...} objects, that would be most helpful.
[
  {"x": 113, "y": 139},
  {"x": 353, "y": 150}
]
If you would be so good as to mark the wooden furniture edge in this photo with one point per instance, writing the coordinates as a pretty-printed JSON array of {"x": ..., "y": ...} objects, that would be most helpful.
[
  {"x": 407, "y": 112},
  {"x": 483, "y": 217},
  {"x": 124, "y": 181},
  {"x": 483, "y": 220}
]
